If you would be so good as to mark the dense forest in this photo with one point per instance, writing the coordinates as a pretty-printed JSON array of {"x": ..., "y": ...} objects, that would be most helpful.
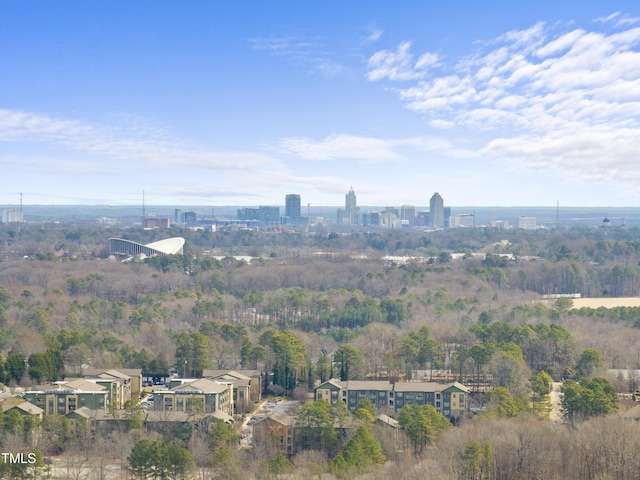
[{"x": 360, "y": 305}]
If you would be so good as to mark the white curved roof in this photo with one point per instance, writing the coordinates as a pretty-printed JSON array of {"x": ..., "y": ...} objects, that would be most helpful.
[{"x": 168, "y": 246}]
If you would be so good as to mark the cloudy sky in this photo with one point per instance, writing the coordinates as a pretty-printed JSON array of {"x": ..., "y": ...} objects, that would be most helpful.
[{"x": 492, "y": 103}]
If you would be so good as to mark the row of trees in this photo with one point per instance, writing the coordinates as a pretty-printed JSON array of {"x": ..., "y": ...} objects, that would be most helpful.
[{"x": 157, "y": 460}]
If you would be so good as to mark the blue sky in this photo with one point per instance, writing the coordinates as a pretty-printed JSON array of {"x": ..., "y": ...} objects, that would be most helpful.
[{"x": 239, "y": 103}]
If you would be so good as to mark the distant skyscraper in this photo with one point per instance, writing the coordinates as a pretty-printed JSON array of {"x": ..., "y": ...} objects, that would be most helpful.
[
  {"x": 408, "y": 213},
  {"x": 266, "y": 215},
  {"x": 351, "y": 210},
  {"x": 269, "y": 215},
  {"x": 10, "y": 215},
  {"x": 423, "y": 218},
  {"x": 447, "y": 216},
  {"x": 189, "y": 217},
  {"x": 527, "y": 223},
  {"x": 462, "y": 220},
  {"x": 292, "y": 208},
  {"x": 436, "y": 210}
]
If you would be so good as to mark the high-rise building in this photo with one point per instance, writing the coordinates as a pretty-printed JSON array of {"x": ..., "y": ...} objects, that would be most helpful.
[
  {"x": 527, "y": 223},
  {"x": 408, "y": 214},
  {"x": 292, "y": 211},
  {"x": 266, "y": 215},
  {"x": 10, "y": 215},
  {"x": 269, "y": 215},
  {"x": 462, "y": 220},
  {"x": 447, "y": 217},
  {"x": 351, "y": 210},
  {"x": 189, "y": 217},
  {"x": 436, "y": 210},
  {"x": 157, "y": 223}
]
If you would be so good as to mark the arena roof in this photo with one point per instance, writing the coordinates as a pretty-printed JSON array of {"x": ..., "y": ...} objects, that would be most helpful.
[{"x": 168, "y": 246}]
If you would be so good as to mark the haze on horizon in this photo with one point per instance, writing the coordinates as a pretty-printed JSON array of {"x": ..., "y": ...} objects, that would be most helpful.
[{"x": 240, "y": 104}]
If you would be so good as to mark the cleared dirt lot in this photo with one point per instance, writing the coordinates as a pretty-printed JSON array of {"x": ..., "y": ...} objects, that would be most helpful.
[{"x": 606, "y": 302}]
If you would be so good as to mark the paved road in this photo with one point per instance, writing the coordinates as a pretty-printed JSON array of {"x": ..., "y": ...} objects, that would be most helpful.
[{"x": 555, "y": 396}]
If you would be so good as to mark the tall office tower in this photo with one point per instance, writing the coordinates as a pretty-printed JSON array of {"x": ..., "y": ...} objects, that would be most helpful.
[
  {"x": 408, "y": 213},
  {"x": 189, "y": 217},
  {"x": 447, "y": 216},
  {"x": 10, "y": 215},
  {"x": 176, "y": 215},
  {"x": 351, "y": 211},
  {"x": 423, "y": 219},
  {"x": 292, "y": 208},
  {"x": 436, "y": 209},
  {"x": 269, "y": 215},
  {"x": 527, "y": 223}
]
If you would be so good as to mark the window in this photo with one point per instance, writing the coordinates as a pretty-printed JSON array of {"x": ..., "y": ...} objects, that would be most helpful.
[
  {"x": 438, "y": 404},
  {"x": 462, "y": 399},
  {"x": 179, "y": 404}
]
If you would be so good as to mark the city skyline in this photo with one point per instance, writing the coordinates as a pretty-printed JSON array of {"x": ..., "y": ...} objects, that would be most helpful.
[{"x": 495, "y": 104}]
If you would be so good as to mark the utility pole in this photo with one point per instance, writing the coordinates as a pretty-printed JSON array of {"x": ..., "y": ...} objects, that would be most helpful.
[{"x": 143, "y": 211}]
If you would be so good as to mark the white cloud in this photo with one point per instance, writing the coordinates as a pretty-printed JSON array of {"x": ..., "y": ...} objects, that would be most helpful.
[
  {"x": 374, "y": 34},
  {"x": 399, "y": 64},
  {"x": 618, "y": 19},
  {"x": 289, "y": 45},
  {"x": 608, "y": 18},
  {"x": 342, "y": 146},
  {"x": 300, "y": 49},
  {"x": 542, "y": 97},
  {"x": 127, "y": 148}
]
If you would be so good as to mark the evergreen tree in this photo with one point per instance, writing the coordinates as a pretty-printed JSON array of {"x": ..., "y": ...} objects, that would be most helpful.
[
  {"x": 362, "y": 451},
  {"x": 422, "y": 424}
]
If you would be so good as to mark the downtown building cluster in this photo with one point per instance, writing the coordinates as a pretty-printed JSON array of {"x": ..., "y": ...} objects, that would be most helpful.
[
  {"x": 437, "y": 216},
  {"x": 406, "y": 216}
]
